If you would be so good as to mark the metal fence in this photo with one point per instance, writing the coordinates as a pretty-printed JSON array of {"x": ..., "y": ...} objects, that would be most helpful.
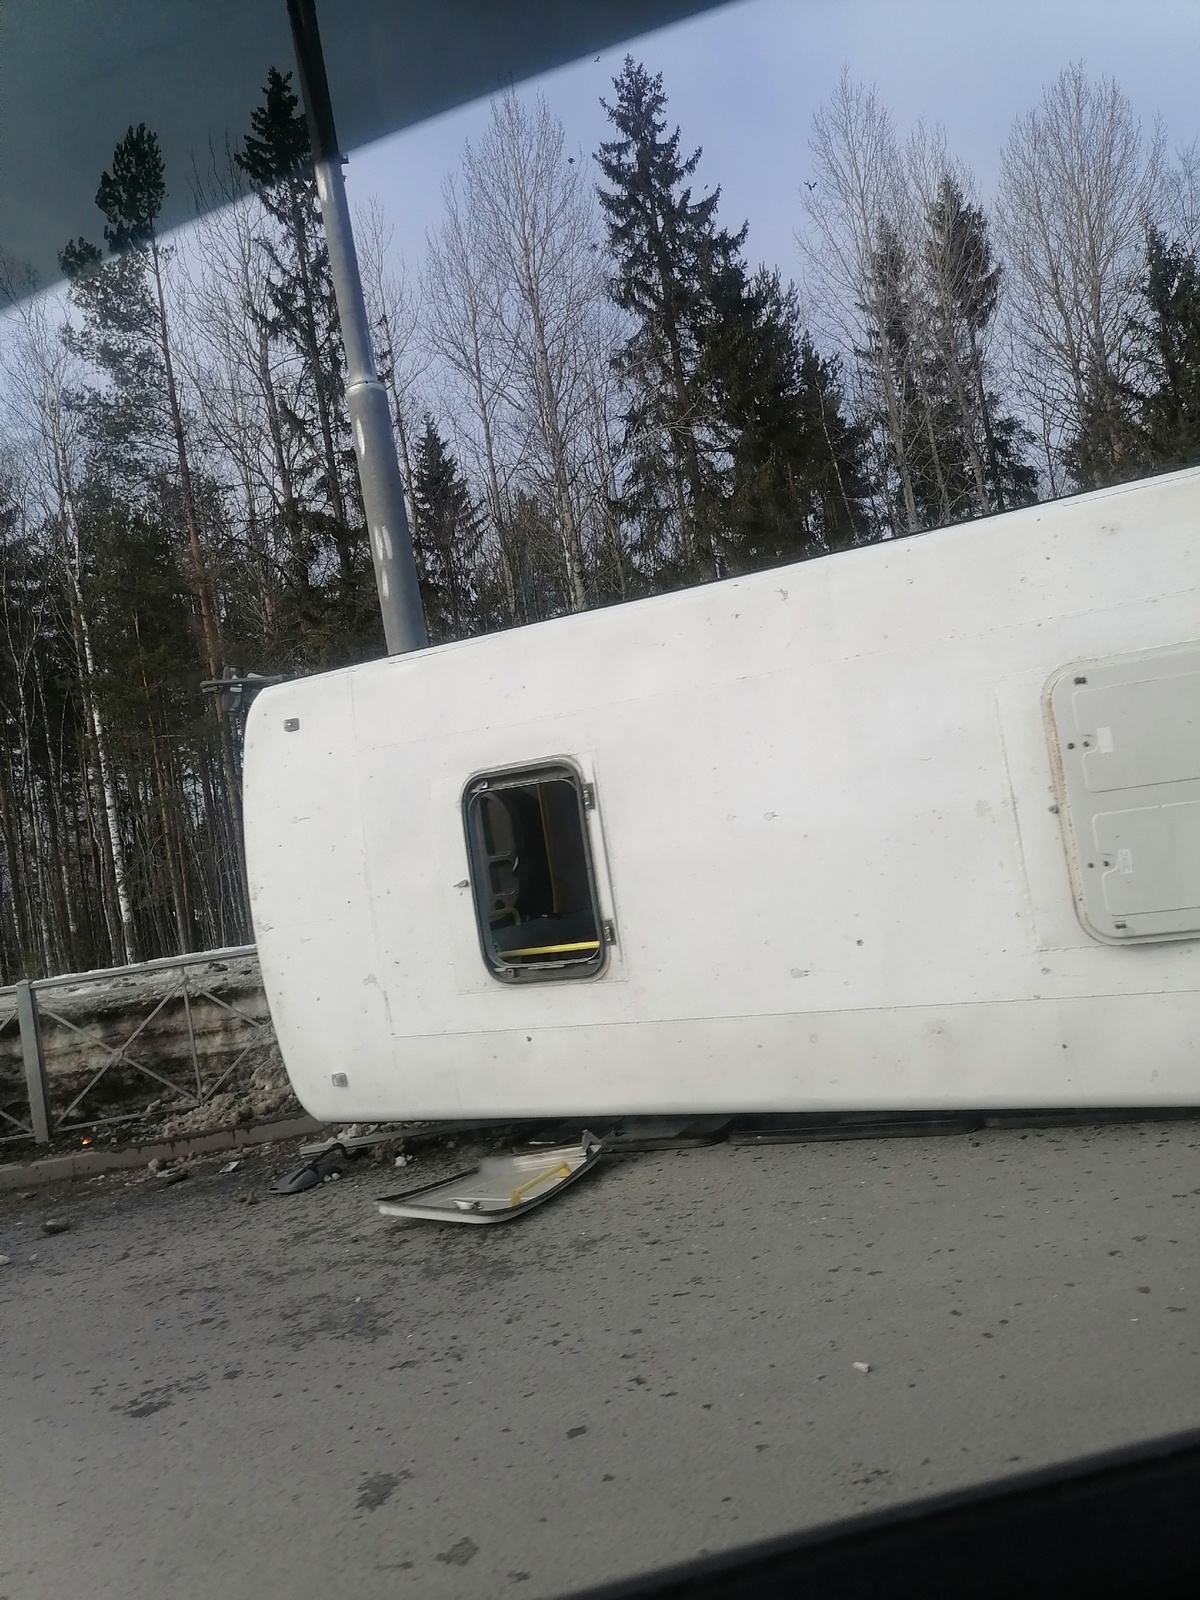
[{"x": 29, "y": 1005}]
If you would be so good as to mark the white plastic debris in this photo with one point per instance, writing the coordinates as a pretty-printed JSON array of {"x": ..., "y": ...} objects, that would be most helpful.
[
  {"x": 497, "y": 1187},
  {"x": 231, "y": 1166},
  {"x": 861, "y": 1366},
  {"x": 401, "y": 1161}
]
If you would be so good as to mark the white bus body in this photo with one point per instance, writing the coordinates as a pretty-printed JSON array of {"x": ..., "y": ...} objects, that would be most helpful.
[{"x": 914, "y": 826}]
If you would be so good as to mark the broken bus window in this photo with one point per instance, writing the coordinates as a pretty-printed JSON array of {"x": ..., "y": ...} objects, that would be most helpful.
[{"x": 531, "y": 873}]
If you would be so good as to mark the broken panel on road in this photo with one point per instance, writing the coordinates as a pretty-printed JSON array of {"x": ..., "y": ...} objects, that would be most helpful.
[{"x": 498, "y": 1188}]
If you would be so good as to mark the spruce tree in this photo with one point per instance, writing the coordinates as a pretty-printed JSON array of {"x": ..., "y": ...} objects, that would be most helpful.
[
  {"x": 1168, "y": 414},
  {"x": 530, "y": 539},
  {"x": 949, "y": 447},
  {"x": 668, "y": 251},
  {"x": 896, "y": 406},
  {"x": 734, "y": 434},
  {"x": 449, "y": 529},
  {"x": 793, "y": 481},
  {"x": 1154, "y": 417},
  {"x": 961, "y": 295}
]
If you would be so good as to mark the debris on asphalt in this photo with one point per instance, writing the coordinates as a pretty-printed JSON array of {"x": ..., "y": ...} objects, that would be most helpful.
[
  {"x": 154, "y": 1163},
  {"x": 55, "y": 1225},
  {"x": 402, "y": 1161},
  {"x": 861, "y": 1366},
  {"x": 815, "y": 1127},
  {"x": 4, "y": 1260},
  {"x": 638, "y": 1135},
  {"x": 350, "y": 1141},
  {"x": 172, "y": 1174},
  {"x": 231, "y": 1166},
  {"x": 355, "y": 1136},
  {"x": 317, "y": 1171},
  {"x": 268, "y": 1093},
  {"x": 497, "y": 1188},
  {"x": 296, "y": 1182}
]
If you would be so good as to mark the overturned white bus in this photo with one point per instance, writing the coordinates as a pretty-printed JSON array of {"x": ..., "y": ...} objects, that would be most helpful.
[{"x": 915, "y": 826}]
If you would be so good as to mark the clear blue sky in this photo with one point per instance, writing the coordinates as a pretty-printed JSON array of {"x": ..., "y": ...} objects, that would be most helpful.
[{"x": 744, "y": 82}]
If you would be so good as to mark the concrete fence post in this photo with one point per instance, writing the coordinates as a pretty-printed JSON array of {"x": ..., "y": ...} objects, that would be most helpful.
[{"x": 35, "y": 1062}]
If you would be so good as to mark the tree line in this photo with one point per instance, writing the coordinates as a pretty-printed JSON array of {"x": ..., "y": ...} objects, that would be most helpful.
[{"x": 596, "y": 395}]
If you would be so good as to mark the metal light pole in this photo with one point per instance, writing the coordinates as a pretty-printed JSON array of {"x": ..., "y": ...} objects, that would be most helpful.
[{"x": 366, "y": 397}]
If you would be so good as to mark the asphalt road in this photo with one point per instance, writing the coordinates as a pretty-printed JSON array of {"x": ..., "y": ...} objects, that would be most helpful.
[{"x": 296, "y": 1398}]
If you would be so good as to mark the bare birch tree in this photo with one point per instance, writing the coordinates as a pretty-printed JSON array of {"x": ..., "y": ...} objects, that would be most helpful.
[
  {"x": 855, "y": 204},
  {"x": 535, "y": 226},
  {"x": 243, "y": 388},
  {"x": 1078, "y": 184},
  {"x": 39, "y": 372},
  {"x": 461, "y": 295},
  {"x": 394, "y": 309},
  {"x": 1182, "y": 198}
]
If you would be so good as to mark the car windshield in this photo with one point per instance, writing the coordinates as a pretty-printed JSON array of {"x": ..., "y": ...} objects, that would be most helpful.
[{"x": 597, "y": 630}]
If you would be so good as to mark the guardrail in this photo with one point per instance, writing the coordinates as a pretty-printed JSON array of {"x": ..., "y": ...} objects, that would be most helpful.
[{"x": 29, "y": 1005}]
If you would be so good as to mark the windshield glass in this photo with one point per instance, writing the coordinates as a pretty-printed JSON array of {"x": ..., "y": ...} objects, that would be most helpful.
[{"x": 652, "y": 598}]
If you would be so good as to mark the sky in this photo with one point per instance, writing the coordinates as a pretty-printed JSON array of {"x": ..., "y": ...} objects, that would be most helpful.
[{"x": 744, "y": 82}]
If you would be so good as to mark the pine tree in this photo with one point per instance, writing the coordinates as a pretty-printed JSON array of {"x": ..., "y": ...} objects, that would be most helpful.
[
  {"x": 668, "y": 253},
  {"x": 141, "y": 454},
  {"x": 448, "y": 537},
  {"x": 276, "y": 159},
  {"x": 127, "y": 333},
  {"x": 126, "y": 419}
]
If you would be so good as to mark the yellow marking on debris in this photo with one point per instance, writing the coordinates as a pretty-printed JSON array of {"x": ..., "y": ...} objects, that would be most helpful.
[{"x": 562, "y": 1170}]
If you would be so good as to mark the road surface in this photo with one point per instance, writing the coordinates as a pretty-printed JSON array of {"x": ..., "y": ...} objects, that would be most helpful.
[{"x": 203, "y": 1396}]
